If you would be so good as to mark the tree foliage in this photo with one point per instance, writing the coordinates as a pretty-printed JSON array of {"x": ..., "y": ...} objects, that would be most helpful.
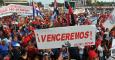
[
  {"x": 89, "y": 3},
  {"x": 103, "y": 3},
  {"x": 99, "y": 3},
  {"x": 59, "y": 4},
  {"x": 1, "y": 2}
]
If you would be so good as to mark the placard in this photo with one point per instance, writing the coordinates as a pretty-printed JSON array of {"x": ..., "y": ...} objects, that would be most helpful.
[{"x": 72, "y": 35}]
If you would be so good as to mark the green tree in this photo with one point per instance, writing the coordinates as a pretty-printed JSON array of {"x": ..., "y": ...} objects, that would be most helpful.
[
  {"x": 59, "y": 4},
  {"x": 99, "y": 3},
  {"x": 103, "y": 3},
  {"x": 89, "y": 3},
  {"x": 1, "y": 2}
]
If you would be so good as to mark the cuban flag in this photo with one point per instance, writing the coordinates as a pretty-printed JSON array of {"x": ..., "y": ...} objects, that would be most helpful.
[
  {"x": 55, "y": 14},
  {"x": 39, "y": 13},
  {"x": 36, "y": 11}
]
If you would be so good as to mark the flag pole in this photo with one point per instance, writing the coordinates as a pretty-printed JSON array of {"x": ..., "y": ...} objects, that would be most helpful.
[
  {"x": 55, "y": 7},
  {"x": 33, "y": 7}
]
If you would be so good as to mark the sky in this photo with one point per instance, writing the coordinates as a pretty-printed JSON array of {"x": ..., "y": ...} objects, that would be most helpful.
[{"x": 62, "y": 1}]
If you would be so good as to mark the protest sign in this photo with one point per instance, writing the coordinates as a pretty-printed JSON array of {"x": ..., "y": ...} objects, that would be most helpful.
[
  {"x": 13, "y": 8},
  {"x": 20, "y": 9},
  {"x": 6, "y": 14},
  {"x": 74, "y": 35},
  {"x": 4, "y": 10}
]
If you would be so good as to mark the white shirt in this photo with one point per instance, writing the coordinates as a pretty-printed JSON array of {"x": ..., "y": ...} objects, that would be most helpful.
[
  {"x": 81, "y": 49},
  {"x": 100, "y": 49}
]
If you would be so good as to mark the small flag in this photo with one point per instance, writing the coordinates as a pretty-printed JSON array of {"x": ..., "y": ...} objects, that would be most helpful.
[
  {"x": 55, "y": 14},
  {"x": 36, "y": 11},
  {"x": 39, "y": 13}
]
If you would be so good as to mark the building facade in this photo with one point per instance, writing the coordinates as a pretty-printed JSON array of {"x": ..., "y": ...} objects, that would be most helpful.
[{"x": 77, "y": 3}]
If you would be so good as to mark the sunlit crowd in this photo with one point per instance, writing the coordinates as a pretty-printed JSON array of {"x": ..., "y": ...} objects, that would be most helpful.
[{"x": 18, "y": 42}]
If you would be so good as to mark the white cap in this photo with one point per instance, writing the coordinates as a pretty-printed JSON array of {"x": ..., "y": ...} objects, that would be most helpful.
[
  {"x": 17, "y": 45},
  {"x": 82, "y": 47}
]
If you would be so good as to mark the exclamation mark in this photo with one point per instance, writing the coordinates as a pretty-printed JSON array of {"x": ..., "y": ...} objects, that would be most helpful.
[
  {"x": 38, "y": 38},
  {"x": 90, "y": 35}
]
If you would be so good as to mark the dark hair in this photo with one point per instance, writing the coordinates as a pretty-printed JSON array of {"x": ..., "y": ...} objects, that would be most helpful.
[
  {"x": 63, "y": 46},
  {"x": 66, "y": 5},
  {"x": 23, "y": 51}
]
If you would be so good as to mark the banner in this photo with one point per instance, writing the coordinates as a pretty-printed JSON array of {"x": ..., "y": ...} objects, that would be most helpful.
[
  {"x": 13, "y": 8},
  {"x": 6, "y": 14},
  {"x": 20, "y": 9},
  {"x": 72, "y": 35},
  {"x": 4, "y": 10}
]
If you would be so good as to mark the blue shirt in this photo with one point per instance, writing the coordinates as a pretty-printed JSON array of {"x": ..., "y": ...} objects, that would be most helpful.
[
  {"x": 4, "y": 50},
  {"x": 0, "y": 49}
]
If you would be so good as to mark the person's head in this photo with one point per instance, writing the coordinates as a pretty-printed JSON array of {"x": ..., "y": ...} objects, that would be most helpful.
[
  {"x": 37, "y": 18},
  {"x": 66, "y": 5},
  {"x": 23, "y": 52},
  {"x": 64, "y": 48},
  {"x": 3, "y": 42},
  {"x": 102, "y": 43},
  {"x": 92, "y": 47},
  {"x": 107, "y": 29},
  {"x": 113, "y": 33},
  {"x": 15, "y": 38}
]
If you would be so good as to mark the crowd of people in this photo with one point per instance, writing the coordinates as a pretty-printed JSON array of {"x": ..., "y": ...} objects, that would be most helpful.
[{"x": 18, "y": 42}]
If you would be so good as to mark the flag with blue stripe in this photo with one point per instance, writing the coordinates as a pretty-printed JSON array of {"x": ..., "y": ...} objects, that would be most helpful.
[
  {"x": 39, "y": 13},
  {"x": 36, "y": 11},
  {"x": 55, "y": 14}
]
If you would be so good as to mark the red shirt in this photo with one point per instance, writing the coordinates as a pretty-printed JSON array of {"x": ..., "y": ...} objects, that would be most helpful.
[
  {"x": 92, "y": 54},
  {"x": 31, "y": 28},
  {"x": 113, "y": 33},
  {"x": 70, "y": 10},
  {"x": 68, "y": 19},
  {"x": 98, "y": 42},
  {"x": 31, "y": 50}
]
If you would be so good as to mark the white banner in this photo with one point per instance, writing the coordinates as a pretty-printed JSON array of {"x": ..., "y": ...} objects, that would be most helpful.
[
  {"x": 20, "y": 9},
  {"x": 73, "y": 35},
  {"x": 4, "y": 10}
]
